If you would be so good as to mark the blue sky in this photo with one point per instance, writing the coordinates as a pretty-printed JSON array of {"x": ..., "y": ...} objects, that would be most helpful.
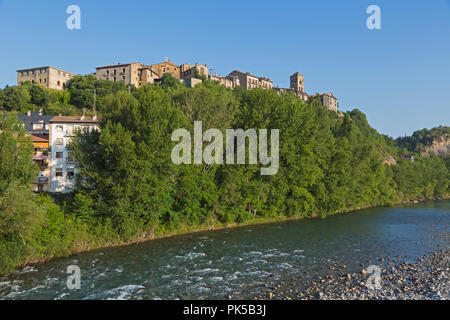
[{"x": 399, "y": 75}]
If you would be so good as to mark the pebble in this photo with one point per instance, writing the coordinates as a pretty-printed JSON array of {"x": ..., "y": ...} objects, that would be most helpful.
[{"x": 426, "y": 279}]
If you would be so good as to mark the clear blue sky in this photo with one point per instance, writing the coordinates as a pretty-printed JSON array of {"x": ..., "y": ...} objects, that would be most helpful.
[{"x": 399, "y": 76}]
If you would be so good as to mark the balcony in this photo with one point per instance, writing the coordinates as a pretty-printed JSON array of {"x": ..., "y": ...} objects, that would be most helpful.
[
  {"x": 70, "y": 160},
  {"x": 41, "y": 160}
]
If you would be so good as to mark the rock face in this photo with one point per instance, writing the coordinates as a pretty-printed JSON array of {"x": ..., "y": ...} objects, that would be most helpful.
[
  {"x": 439, "y": 147},
  {"x": 389, "y": 160}
]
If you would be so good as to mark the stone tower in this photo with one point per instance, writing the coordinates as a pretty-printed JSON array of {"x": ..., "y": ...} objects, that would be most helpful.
[{"x": 297, "y": 82}]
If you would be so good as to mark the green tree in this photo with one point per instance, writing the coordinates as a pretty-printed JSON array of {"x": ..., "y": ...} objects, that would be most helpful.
[
  {"x": 16, "y": 98},
  {"x": 16, "y": 152},
  {"x": 38, "y": 95},
  {"x": 169, "y": 81},
  {"x": 2, "y": 96},
  {"x": 81, "y": 91}
]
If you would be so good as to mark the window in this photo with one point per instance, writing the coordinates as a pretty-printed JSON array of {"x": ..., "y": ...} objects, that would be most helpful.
[
  {"x": 59, "y": 141},
  {"x": 38, "y": 126},
  {"x": 69, "y": 130},
  {"x": 69, "y": 158},
  {"x": 114, "y": 79},
  {"x": 70, "y": 173},
  {"x": 58, "y": 83},
  {"x": 59, "y": 172},
  {"x": 59, "y": 128},
  {"x": 59, "y": 155},
  {"x": 86, "y": 130}
]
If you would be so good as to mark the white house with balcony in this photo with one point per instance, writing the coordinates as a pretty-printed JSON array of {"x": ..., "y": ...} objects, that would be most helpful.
[{"x": 62, "y": 165}]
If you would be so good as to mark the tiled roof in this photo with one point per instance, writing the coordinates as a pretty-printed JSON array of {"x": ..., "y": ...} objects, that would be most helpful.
[
  {"x": 74, "y": 119},
  {"x": 45, "y": 67},
  {"x": 34, "y": 117},
  {"x": 117, "y": 65}
]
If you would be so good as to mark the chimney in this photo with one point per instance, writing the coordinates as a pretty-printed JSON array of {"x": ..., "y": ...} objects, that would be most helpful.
[
  {"x": 40, "y": 111},
  {"x": 29, "y": 113},
  {"x": 84, "y": 114}
]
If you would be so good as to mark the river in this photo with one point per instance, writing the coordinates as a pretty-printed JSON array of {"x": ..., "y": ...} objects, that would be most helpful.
[{"x": 240, "y": 262}]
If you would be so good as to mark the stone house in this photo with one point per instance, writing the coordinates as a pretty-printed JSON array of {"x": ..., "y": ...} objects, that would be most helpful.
[
  {"x": 48, "y": 76},
  {"x": 249, "y": 81}
]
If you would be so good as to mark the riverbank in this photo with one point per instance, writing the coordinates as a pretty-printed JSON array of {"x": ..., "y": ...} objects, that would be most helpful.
[
  {"x": 426, "y": 279},
  {"x": 242, "y": 263},
  {"x": 214, "y": 227}
]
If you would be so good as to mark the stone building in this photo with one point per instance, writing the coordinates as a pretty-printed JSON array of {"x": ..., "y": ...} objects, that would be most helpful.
[
  {"x": 297, "y": 82},
  {"x": 191, "y": 82},
  {"x": 62, "y": 165},
  {"x": 329, "y": 101},
  {"x": 229, "y": 83},
  {"x": 166, "y": 67},
  {"x": 189, "y": 71},
  {"x": 147, "y": 76},
  {"x": 297, "y": 87},
  {"x": 135, "y": 74},
  {"x": 126, "y": 72},
  {"x": 265, "y": 83},
  {"x": 48, "y": 76},
  {"x": 249, "y": 81}
]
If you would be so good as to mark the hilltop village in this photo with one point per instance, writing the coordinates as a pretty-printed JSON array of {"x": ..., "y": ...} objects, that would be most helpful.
[
  {"x": 138, "y": 75},
  {"x": 51, "y": 134}
]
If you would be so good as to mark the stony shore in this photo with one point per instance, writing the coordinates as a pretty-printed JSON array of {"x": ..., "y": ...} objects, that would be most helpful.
[{"x": 426, "y": 279}]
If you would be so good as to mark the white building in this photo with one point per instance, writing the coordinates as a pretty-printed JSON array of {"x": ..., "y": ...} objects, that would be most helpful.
[{"x": 61, "y": 162}]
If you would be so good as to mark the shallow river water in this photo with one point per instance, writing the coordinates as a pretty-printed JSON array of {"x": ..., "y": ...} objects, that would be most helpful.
[{"x": 239, "y": 262}]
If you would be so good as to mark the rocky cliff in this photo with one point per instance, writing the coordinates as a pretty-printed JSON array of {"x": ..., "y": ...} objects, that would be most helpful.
[{"x": 440, "y": 146}]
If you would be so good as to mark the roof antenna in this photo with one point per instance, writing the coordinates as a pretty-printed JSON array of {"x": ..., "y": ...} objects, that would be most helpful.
[
  {"x": 94, "y": 117},
  {"x": 95, "y": 96}
]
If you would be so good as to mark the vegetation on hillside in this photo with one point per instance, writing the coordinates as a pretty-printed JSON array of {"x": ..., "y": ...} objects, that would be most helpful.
[{"x": 130, "y": 189}]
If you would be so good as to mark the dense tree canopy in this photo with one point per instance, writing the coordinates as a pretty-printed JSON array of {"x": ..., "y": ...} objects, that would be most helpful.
[{"x": 328, "y": 164}]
